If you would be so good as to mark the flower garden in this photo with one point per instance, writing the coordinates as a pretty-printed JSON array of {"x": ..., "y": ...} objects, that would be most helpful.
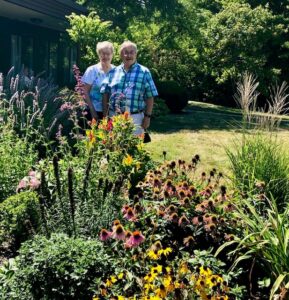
[{"x": 85, "y": 213}]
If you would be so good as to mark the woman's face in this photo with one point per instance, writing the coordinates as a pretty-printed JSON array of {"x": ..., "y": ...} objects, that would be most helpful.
[{"x": 105, "y": 55}]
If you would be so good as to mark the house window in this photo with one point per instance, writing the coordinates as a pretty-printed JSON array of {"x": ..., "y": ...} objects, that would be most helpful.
[
  {"x": 16, "y": 52},
  {"x": 73, "y": 59},
  {"x": 53, "y": 47},
  {"x": 27, "y": 53}
]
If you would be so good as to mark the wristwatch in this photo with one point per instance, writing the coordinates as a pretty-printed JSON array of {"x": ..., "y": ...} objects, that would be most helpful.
[{"x": 147, "y": 115}]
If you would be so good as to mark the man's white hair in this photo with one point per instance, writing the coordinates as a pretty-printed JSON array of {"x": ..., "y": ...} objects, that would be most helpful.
[
  {"x": 127, "y": 44},
  {"x": 104, "y": 45}
]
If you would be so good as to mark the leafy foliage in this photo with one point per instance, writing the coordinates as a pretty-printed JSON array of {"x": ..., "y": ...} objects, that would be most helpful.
[
  {"x": 17, "y": 157},
  {"x": 55, "y": 268},
  {"x": 19, "y": 217}
]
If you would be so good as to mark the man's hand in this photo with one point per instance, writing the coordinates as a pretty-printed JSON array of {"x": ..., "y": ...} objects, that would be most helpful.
[{"x": 146, "y": 122}]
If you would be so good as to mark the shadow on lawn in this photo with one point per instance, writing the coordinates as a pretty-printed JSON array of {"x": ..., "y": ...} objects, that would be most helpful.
[
  {"x": 201, "y": 117},
  {"x": 197, "y": 118}
]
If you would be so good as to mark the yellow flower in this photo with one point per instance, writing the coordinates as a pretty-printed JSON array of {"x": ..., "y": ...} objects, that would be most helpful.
[
  {"x": 113, "y": 279},
  {"x": 150, "y": 277},
  {"x": 148, "y": 287},
  {"x": 120, "y": 275},
  {"x": 165, "y": 252},
  {"x": 161, "y": 291},
  {"x": 205, "y": 271},
  {"x": 120, "y": 298},
  {"x": 153, "y": 255},
  {"x": 156, "y": 270},
  {"x": 184, "y": 268},
  {"x": 168, "y": 283},
  {"x": 127, "y": 161},
  {"x": 95, "y": 298},
  {"x": 108, "y": 283}
]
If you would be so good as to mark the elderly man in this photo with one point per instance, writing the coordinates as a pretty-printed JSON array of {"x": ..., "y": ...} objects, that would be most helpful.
[{"x": 129, "y": 87}]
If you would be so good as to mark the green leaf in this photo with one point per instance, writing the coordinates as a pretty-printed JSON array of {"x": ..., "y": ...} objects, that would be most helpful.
[{"x": 276, "y": 285}]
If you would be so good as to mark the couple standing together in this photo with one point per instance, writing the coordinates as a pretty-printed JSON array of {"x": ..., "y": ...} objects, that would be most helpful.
[{"x": 129, "y": 87}]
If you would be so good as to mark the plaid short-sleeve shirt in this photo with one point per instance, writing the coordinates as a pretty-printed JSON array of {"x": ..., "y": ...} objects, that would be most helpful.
[{"x": 131, "y": 88}]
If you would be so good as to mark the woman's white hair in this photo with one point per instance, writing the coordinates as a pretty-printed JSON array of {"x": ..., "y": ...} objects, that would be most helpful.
[
  {"x": 126, "y": 44},
  {"x": 104, "y": 45}
]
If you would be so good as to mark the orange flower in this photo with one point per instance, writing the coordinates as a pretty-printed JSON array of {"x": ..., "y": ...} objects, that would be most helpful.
[
  {"x": 93, "y": 122},
  {"x": 126, "y": 115}
]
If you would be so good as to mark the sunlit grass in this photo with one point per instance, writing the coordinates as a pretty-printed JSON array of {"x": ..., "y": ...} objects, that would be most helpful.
[{"x": 203, "y": 129}]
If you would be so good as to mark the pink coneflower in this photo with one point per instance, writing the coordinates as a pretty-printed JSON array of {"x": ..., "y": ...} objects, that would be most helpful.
[
  {"x": 34, "y": 183},
  {"x": 135, "y": 240},
  {"x": 229, "y": 237},
  {"x": 130, "y": 215},
  {"x": 229, "y": 207},
  {"x": 200, "y": 207},
  {"x": 197, "y": 220},
  {"x": 104, "y": 235},
  {"x": 186, "y": 202},
  {"x": 188, "y": 241},
  {"x": 128, "y": 234},
  {"x": 137, "y": 208},
  {"x": 118, "y": 233},
  {"x": 183, "y": 221},
  {"x": 22, "y": 185},
  {"x": 210, "y": 227},
  {"x": 171, "y": 209},
  {"x": 32, "y": 173},
  {"x": 174, "y": 218},
  {"x": 124, "y": 209},
  {"x": 182, "y": 194},
  {"x": 207, "y": 192}
]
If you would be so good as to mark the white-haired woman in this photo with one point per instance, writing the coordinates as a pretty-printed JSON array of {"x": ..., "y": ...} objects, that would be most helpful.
[{"x": 94, "y": 76}]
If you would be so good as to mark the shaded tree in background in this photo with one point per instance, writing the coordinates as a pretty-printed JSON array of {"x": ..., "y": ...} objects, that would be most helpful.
[{"x": 203, "y": 45}]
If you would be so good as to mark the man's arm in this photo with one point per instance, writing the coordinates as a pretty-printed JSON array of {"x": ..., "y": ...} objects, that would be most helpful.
[
  {"x": 86, "y": 90},
  {"x": 105, "y": 98},
  {"x": 148, "y": 112}
]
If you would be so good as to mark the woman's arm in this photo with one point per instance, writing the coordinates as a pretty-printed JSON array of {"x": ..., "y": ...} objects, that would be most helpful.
[{"x": 86, "y": 89}]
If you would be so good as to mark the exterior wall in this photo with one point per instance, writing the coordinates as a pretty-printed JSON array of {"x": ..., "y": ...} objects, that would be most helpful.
[{"x": 40, "y": 49}]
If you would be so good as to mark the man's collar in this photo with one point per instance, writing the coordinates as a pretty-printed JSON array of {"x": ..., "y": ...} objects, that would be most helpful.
[{"x": 131, "y": 67}]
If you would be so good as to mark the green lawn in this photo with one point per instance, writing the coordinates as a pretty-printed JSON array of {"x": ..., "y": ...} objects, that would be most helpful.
[{"x": 203, "y": 129}]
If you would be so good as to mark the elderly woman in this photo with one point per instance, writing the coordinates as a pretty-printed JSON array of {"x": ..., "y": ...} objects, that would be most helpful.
[{"x": 94, "y": 76}]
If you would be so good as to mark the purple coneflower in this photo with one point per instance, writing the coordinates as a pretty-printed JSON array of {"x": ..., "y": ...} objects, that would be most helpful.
[
  {"x": 135, "y": 240},
  {"x": 183, "y": 221},
  {"x": 130, "y": 215},
  {"x": 118, "y": 233},
  {"x": 104, "y": 235}
]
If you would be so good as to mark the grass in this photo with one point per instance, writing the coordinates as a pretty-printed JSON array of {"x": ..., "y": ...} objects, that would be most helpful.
[{"x": 203, "y": 129}]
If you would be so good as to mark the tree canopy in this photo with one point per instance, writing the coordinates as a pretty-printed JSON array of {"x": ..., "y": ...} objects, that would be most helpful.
[{"x": 204, "y": 45}]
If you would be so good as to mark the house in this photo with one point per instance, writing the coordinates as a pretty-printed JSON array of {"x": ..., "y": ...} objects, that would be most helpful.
[{"x": 32, "y": 35}]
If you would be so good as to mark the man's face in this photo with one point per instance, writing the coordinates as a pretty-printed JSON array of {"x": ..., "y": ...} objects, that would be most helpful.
[{"x": 128, "y": 56}]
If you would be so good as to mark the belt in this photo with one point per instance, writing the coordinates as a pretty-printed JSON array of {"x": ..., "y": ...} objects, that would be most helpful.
[
  {"x": 136, "y": 112},
  {"x": 132, "y": 112}
]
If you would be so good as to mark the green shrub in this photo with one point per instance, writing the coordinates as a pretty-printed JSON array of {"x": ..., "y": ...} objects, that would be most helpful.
[
  {"x": 16, "y": 159},
  {"x": 259, "y": 161},
  {"x": 19, "y": 217},
  {"x": 175, "y": 95},
  {"x": 160, "y": 108},
  {"x": 55, "y": 268}
]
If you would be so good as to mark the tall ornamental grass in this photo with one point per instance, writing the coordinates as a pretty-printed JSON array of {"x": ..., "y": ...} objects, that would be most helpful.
[
  {"x": 258, "y": 156},
  {"x": 266, "y": 238},
  {"x": 260, "y": 159}
]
